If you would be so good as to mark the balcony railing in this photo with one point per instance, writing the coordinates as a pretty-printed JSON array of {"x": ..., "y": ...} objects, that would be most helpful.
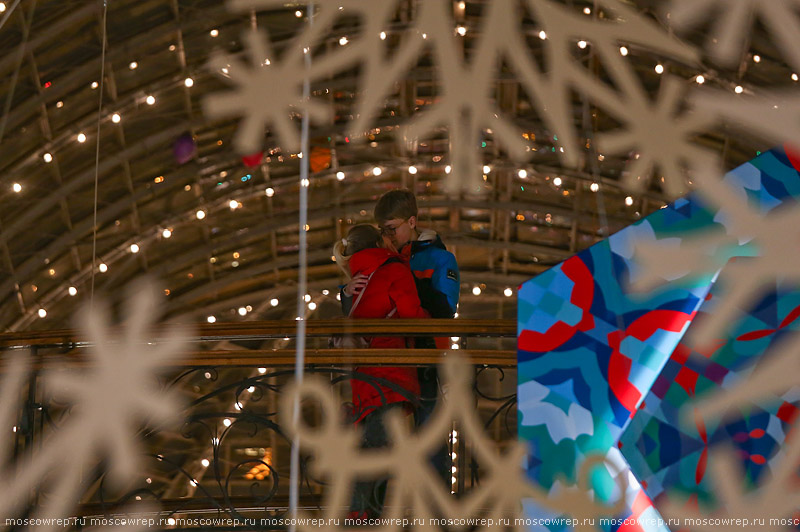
[{"x": 230, "y": 454}]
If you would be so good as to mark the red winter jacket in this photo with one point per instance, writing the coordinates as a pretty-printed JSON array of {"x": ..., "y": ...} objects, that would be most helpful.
[{"x": 391, "y": 286}]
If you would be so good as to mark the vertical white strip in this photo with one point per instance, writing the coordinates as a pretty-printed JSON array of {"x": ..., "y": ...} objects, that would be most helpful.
[
  {"x": 97, "y": 153},
  {"x": 302, "y": 281}
]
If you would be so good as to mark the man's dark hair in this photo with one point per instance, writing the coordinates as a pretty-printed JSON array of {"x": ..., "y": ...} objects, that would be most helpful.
[{"x": 399, "y": 203}]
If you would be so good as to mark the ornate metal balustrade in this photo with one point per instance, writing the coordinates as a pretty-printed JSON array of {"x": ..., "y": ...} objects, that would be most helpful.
[{"x": 228, "y": 458}]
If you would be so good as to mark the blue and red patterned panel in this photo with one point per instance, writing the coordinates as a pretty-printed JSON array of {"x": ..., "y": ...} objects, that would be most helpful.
[{"x": 601, "y": 369}]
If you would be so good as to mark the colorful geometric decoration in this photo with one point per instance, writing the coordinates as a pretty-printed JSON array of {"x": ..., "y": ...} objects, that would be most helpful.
[{"x": 602, "y": 370}]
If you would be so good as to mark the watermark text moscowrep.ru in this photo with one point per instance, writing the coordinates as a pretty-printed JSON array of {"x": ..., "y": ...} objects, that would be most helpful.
[{"x": 445, "y": 523}]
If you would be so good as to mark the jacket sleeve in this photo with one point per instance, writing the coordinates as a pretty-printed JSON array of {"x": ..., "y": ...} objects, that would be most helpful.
[
  {"x": 403, "y": 292},
  {"x": 346, "y": 301},
  {"x": 446, "y": 284}
]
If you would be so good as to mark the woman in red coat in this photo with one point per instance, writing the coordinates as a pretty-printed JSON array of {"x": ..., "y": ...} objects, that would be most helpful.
[{"x": 390, "y": 292}]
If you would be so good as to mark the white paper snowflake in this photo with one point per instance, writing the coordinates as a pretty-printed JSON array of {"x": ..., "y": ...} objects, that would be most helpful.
[
  {"x": 269, "y": 92},
  {"x": 111, "y": 398},
  {"x": 662, "y": 134},
  {"x": 415, "y": 491},
  {"x": 732, "y": 25}
]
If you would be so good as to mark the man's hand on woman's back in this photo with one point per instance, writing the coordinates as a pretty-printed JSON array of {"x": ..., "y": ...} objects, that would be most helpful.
[{"x": 355, "y": 285}]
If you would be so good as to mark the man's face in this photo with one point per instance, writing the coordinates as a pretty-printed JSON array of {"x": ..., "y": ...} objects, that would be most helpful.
[{"x": 399, "y": 230}]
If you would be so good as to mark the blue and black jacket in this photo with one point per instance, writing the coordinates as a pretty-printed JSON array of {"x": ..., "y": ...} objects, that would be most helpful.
[{"x": 436, "y": 273}]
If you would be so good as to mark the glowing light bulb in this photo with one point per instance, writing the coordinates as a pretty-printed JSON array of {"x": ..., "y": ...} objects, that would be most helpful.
[
  {"x": 486, "y": 168},
  {"x": 269, "y": 192},
  {"x": 382, "y": 35},
  {"x": 757, "y": 58},
  {"x": 594, "y": 187},
  {"x": 150, "y": 100},
  {"x": 81, "y": 138},
  {"x": 226, "y": 422},
  {"x": 134, "y": 65},
  {"x": 47, "y": 157},
  {"x": 2, "y": 7},
  {"x": 94, "y": 85},
  {"x": 214, "y": 32},
  {"x": 205, "y": 462},
  {"x": 376, "y": 171},
  {"x": 739, "y": 89},
  {"x": 461, "y": 30},
  {"x": 72, "y": 291},
  {"x": 307, "y": 298},
  {"x": 304, "y": 182},
  {"x": 522, "y": 173},
  {"x": 557, "y": 181},
  {"x": 448, "y": 169},
  {"x": 188, "y": 82},
  {"x": 211, "y": 319},
  {"x": 412, "y": 169},
  {"x": 298, "y": 13},
  {"x": 628, "y": 201},
  {"x": 166, "y": 233},
  {"x": 582, "y": 44},
  {"x": 343, "y": 41},
  {"x": 116, "y": 118},
  {"x": 274, "y": 302},
  {"x": 508, "y": 292},
  {"x": 312, "y": 306},
  {"x": 340, "y": 176},
  {"x": 659, "y": 68},
  {"x": 103, "y": 267},
  {"x": 242, "y": 311},
  {"x": 587, "y": 10},
  {"x": 200, "y": 214},
  {"x": 42, "y": 313},
  {"x": 233, "y": 205},
  {"x": 134, "y": 248},
  {"x": 476, "y": 291},
  {"x": 700, "y": 79},
  {"x": 543, "y": 35},
  {"x": 623, "y": 51},
  {"x": 794, "y": 77}
]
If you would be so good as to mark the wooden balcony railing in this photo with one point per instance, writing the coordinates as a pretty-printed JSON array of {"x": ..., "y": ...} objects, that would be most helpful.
[{"x": 66, "y": 348}]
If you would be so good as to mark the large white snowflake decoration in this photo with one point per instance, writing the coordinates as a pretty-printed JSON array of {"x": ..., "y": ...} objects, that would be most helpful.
[
  {"x": 465, "y": 107},
  {"x": 115, "y": 394},
  {"x": 661, "y": 134},
  {"x": 732, "y": 25},
  {"x": 415, "y": 497},
  {"x": 266, "y": 94}
]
